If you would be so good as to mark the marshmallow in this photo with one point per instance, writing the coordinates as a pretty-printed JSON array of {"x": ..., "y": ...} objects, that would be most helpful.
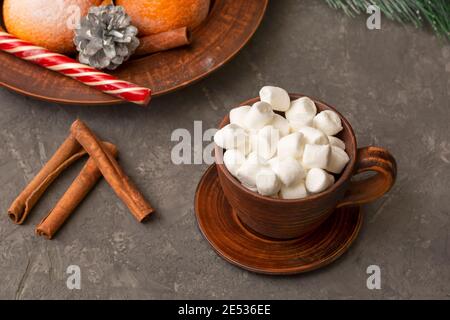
[
  {"x": 249, "y": 169},
  {"x": 267, "y": 182},
  {"x": 233, "y": 160},
  {"x": 338, "y": 160},
  {"x": 254, "y": 189},
  {"x": 278, "y": 98},
  {"x": 295, "y": 191},
  {"x": 291, "y": 146},
  {"x": 273, "y": 163},
  {"x": 219, "y": 139},
  {"x": 313, "y": 136},
  {"x": 246, "y": 147},
  {"x": 336, "y": 142},
  {"x": 247, "y": 173},
  {"x": 316, "y": 156},
  {"x": 281, "y": 124},
  {"x": 300, "y": 123},
  {"x": 231, "y": 136},
  {"x": 317, "y": 180},
  {"x": 288, "y": 170},
  {"x": 301, "y": 113},
  {"x": 266, "y": 142},
  {"x": 253, "y": 134},
  {"x": 303, "y": 105},
  {"x": 254, "y": 158},
  {"x": 259, "y": 115},
  {"x": 237, "y": 115},
  {"x": 328, "y": 121}
]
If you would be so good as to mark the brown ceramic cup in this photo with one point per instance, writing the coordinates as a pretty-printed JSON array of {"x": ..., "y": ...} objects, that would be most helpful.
[{"x": 287, "y": 219}]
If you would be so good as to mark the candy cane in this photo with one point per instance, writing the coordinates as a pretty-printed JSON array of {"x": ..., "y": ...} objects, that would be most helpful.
[{"x": 75, "y": 70}]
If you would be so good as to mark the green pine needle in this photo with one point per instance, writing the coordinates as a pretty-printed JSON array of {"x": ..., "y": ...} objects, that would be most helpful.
[{"x": 435, "y": 13}]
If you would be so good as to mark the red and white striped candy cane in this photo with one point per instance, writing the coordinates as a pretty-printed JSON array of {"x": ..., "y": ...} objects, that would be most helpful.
[{"x": 73, "y": 69}]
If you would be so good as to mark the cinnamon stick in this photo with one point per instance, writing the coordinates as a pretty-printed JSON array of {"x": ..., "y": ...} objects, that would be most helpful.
[
  {"x": 112, "y": 172},
  {"x": 69, "y": 152},
  {"x": 164, "y": 41},
  {"x": 78, "y": 190}
]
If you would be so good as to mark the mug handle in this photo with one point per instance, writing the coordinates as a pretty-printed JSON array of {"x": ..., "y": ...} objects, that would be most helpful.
[{"x": 367, "y": 190}]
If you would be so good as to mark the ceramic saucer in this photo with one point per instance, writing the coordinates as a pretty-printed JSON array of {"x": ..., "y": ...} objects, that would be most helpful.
[{"x": 242, "y": 247}]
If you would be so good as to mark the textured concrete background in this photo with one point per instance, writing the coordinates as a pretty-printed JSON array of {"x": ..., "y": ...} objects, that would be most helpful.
[{"x": 393, "y": 85}]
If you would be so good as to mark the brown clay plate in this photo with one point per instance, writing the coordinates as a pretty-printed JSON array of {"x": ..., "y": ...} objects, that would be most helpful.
[
  {"x": 242, "y": 247},
  {"x": 229, "y": 26}
]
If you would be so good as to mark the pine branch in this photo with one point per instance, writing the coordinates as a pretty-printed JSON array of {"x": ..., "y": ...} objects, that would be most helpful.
[{"x": 435, "y": 13}]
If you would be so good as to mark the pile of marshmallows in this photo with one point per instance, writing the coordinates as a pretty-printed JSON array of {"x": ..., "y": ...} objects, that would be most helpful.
[{"x": 283, "y": 157}]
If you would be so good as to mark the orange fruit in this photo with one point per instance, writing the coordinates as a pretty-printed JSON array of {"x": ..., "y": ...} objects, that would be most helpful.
[
  {"x": 155, "y": 16},
  {"x": 45, "y": 23}
]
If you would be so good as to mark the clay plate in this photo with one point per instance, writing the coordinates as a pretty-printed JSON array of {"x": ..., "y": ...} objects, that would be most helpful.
[
  {"x": 242, "y": 247},
  {"x": 225, "y": 32}
]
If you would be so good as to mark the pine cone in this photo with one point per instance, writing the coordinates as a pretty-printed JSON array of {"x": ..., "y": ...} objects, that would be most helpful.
[{"x": 105, "y": 38}]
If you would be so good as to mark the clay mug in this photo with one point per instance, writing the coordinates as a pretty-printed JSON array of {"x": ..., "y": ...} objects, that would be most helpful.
[{"x": 287, "y": 219}]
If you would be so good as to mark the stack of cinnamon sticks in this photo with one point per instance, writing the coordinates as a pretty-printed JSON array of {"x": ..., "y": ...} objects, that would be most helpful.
[{"x": 102, "y": 162}]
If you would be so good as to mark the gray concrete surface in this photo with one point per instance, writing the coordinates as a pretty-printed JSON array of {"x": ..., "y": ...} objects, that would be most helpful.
[{"x": 392, "y": 84}]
